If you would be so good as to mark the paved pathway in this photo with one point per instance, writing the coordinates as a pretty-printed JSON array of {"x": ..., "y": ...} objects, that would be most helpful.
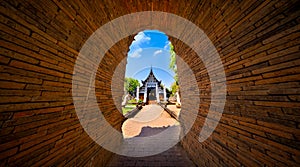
[
  {"x": 173, "y": 108},
  {"x": 150, "y": 116},
  {"x": 139, "y": 133}
]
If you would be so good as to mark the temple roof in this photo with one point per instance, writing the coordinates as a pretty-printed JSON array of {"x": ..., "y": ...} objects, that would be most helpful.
[{"x": 151, "y": 77}]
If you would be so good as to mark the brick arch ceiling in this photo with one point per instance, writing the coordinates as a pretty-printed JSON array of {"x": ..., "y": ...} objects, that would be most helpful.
[{"x": 258, "y": 43}]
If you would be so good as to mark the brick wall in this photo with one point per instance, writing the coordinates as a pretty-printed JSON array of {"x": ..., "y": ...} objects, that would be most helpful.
[
  {"x": 258, "y": 42},
  {"x": 39, "y": 46},
  {"x": 259, "y": 46}
]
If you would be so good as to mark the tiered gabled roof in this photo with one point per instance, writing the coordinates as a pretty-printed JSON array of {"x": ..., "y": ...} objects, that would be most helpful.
[{"x": 150, "y": 77}]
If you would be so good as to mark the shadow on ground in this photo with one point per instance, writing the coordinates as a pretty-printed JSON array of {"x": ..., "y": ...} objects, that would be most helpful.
[{"x": 175, "y": 156}]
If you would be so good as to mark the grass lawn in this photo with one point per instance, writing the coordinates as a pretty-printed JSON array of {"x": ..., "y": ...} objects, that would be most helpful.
[{"x": 128, "y": 108}]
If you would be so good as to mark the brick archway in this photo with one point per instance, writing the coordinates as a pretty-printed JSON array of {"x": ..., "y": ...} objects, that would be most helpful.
[{"x": 258, "y": 45}]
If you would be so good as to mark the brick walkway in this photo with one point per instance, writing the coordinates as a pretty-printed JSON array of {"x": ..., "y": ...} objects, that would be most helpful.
[{"x": 152, "y": 120}]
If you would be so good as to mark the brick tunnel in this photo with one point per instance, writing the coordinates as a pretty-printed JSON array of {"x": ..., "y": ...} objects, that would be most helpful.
[{"x": 258, "y": 45}]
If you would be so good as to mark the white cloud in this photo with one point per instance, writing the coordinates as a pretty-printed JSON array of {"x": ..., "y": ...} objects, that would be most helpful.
[
  {"x": 135, "y": 47},
  {"x": 140, "y": 38},
  {"x": 167, "y": 46},
  {"x": 136, "y": 53},
  {"x": 157, "y": 52}
]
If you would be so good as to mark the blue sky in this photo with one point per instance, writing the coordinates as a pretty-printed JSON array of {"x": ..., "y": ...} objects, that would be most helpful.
[{"x": 150, "y": 48}]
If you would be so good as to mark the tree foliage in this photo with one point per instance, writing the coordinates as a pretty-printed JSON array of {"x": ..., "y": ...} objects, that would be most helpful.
[
  {"x": 131, "y": 84},
  {"x": 174, "y": 88},
  {"x": 172, "y": 64},
  {"x": 173, "y": 67}
]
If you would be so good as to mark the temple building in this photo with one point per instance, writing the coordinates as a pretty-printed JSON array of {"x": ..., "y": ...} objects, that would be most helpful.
[{"x": 151, "y": 91}]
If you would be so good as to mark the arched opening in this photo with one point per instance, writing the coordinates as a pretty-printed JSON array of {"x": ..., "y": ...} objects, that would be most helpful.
[{"x": 151, "y": 91}]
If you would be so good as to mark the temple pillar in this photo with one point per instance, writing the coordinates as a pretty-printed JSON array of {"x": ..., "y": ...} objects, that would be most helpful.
[
  {"x": 145, "y": 94},
  {"x": 165, "y": 94},
  {"x": 157, "y": 93},
  {"x": 137, "y": 93}
]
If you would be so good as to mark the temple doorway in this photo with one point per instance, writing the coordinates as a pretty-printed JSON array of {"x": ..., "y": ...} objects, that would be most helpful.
[{"x": 151, "y": 96}]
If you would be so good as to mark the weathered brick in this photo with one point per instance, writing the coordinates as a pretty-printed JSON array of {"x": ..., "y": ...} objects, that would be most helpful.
[
  {"x": 14, "y": 99},
  {"x": 254, "y": 78},
  {"x": 14, "y": 25},
  {"x": 31, "y": 67},
  {"x": 282, "y": 34},
  {"x": 277, "y": 67},
  {"x": 5, "y": 92},
  {"x": 278, "y": 104},
  {"x": 18, "y": 78},
  {"x": 268, "y": 130},
  {"x": 289, "y": 71},
  {"x": 281, "y": 79},
  {"x": 282, "y": 59},
  {"x": 31, "y": 54},
  {"x": 15, "y": 70},
  {"x": 277, "y": 145},
  {"x": 50, "y": 138},
  {"x": 15, "y": 38},
  {"x": 33, "y": 87},
  {"x": 8, "y": 153},
  {"x": 11, "y": 85},
  {"x": 57, "y": 84},
  {"x": 4, "y": 60}
]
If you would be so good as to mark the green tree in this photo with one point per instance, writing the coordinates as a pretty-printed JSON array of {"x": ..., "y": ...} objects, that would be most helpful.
[
  {"x": 173, "y": 67},
  {"x": 131, "y": 84},
  {"x": 172, "y": 64},
  {"x": 174, "y": 88}
]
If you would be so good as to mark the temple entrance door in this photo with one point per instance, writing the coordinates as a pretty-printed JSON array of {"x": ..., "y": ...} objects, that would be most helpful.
[{"x": 151, "y": 98}]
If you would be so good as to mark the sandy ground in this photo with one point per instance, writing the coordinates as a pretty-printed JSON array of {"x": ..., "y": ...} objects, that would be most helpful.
[{"x": 150, "y": 116}]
